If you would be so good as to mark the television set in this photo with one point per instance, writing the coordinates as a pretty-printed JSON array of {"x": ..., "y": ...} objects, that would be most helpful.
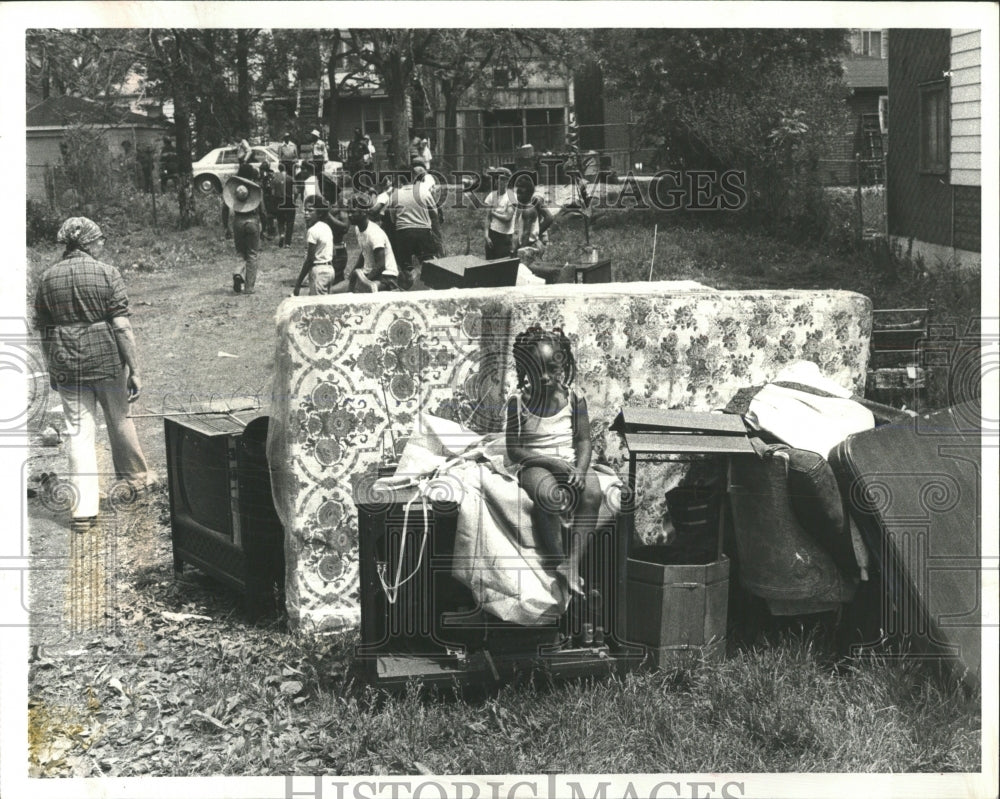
[
  {"x": 469, "y": 272},
  {"x": 222, "y": 517}
]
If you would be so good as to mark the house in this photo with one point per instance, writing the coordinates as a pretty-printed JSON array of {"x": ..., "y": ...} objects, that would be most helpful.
[
  {"x": 528, "y": 109},
  {"x": 934, "y": 175},
  {"x": 49, "y": 123}
]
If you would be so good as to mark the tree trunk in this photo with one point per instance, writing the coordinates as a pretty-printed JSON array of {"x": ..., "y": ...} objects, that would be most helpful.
[
  {"x": 330, "y": 109},
  {"x": 182, "y": 130},
  {"x": 244, "y": 39},
  {"x": 396, "y": 85},
  {"x": 451, "y": 154},
  {"x": 204, "y": 138}
]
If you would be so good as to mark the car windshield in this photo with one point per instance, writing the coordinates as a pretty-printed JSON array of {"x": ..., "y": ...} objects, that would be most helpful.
[{"x": 271, "y": 153}]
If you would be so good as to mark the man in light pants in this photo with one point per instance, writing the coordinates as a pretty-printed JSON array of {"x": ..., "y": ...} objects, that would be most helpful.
[{"x": 82, "y": 310}]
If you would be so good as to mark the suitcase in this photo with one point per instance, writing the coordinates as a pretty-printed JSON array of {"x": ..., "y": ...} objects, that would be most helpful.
[{"x": 914, "y": 489}]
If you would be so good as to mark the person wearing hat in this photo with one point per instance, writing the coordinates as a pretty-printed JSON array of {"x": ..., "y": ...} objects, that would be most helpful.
[
  {"x": 318, "y": 151},
  {"x": 82, "y": 312},
  {"x": 245, "y": 198},
  {"x": 500, "y": 217}
]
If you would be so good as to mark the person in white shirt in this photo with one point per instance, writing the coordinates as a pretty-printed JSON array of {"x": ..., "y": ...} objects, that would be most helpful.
[
  {"x": 318, "y": 152},
  {"x": 318, "y": 263},
  {"x": 425, "y": 152},
  {"x": 375, "y": 269},
  {"x": 242, "y": 149},
  {"x": 500, "y": 218}
]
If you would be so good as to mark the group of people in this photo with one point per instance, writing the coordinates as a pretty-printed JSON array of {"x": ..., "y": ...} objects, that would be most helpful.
[
  {"x": 396, "y": 226},
  {"x": 516, "y": 218}
]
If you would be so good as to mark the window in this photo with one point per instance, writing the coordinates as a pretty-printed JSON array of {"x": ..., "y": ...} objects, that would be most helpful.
[
  {"x": 228, "y": 157},
  {"x": 934, "y": 128},
  {"x": 871, "y": 44},
  {"x": 372, "y": 121}
]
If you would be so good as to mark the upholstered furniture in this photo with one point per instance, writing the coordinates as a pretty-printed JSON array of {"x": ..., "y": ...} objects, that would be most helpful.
[{"x": 350, "y": 369}]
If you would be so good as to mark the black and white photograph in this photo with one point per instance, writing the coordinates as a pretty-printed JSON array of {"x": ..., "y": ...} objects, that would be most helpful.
[{"x": 659, "y": 467}]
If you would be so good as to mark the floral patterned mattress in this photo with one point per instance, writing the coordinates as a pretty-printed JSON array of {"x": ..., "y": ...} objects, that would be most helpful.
[{"x": 352, "y": 373}]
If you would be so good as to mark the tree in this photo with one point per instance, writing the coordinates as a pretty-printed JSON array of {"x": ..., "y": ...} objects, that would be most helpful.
[
  {"x": 244, "y": 41},
  {"x": 394, "y": 56},
  {"x": 171, "y": 58},
  {"x": 87, "y": 62},
  {"x": 763, "y": 100}
]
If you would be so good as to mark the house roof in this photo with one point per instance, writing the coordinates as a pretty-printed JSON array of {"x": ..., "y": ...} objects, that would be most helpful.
[
  {"x": 866, "y": 73},
  {"x": 62, "y": 110}
]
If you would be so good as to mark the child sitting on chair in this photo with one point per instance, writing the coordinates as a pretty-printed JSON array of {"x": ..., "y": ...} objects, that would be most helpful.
[{"x": 548, "y": 437}]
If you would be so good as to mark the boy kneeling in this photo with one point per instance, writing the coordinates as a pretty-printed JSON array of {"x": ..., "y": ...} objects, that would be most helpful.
[{"x": 375, "y": 269}]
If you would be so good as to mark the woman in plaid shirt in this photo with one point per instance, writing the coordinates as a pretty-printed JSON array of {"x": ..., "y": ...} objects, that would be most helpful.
[{"x": 82, "y": 311}]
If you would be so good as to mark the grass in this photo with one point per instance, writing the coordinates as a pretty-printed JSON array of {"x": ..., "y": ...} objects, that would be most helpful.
[{"x": 193, "y": 697}]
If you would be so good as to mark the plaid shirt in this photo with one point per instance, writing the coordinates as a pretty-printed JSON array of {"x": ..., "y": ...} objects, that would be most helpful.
[{"x": 76, "y": 300}]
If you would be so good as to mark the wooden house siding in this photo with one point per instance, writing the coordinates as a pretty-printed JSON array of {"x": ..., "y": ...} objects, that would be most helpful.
[
  {"x": 919, "y": 205},
  {"x": 966, "y": 142}
]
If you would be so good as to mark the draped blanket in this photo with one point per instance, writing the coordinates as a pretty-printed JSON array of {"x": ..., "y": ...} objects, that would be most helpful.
[{"x": 495, "y": 555}]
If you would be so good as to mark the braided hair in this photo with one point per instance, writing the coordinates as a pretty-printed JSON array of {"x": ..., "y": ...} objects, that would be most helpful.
[{"x": 523, "y": 351}]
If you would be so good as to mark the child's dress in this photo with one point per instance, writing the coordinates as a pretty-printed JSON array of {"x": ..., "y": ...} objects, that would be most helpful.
[{"x": 548, "y": 435}]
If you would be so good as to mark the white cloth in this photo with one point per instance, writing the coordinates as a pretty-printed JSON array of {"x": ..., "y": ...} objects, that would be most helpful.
[
  {"x": 373, "y": 238},
  {"x": 310, "y": 188},
  {"x": 525, "y": 277},
  {"x": 500, "y": 202},
  {"x": 805, "y": 420},
  {"x": 494, "y": 554},
  {"x": 321, "y": 235}
]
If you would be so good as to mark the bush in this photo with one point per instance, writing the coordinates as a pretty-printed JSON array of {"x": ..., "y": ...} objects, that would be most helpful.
[
  {"x": 42, "y": 223},
  {"x": 777, "y": 134}
]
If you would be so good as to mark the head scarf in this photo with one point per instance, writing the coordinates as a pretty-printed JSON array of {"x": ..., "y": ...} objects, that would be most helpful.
[{"x": 78, "y": 231}]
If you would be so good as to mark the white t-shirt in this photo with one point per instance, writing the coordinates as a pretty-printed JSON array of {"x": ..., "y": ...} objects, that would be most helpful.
[
  {"x": 425, "y": 190},
  {"x": 502, "y": 203},
  {"x": 321, "y": 235},
  {"x": 310, "y": 187},
  {"x": 371, "y": 239}
]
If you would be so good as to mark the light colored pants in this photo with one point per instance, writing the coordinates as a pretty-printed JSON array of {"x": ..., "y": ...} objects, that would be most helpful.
[{"x": 80, "y": 407}]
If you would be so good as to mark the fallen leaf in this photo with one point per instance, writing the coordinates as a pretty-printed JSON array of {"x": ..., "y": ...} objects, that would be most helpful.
[
  {"x": 182, "y": 617},
  {"x": 290, "y": 687},
  {"x": 212, "y": 719}
]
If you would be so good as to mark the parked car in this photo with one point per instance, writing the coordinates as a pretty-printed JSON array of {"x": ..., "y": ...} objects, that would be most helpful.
[{"x": 216, "y": 166}]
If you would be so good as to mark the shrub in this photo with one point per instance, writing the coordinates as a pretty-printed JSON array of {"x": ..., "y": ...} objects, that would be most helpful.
[{"x": 42, "y": 223}]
